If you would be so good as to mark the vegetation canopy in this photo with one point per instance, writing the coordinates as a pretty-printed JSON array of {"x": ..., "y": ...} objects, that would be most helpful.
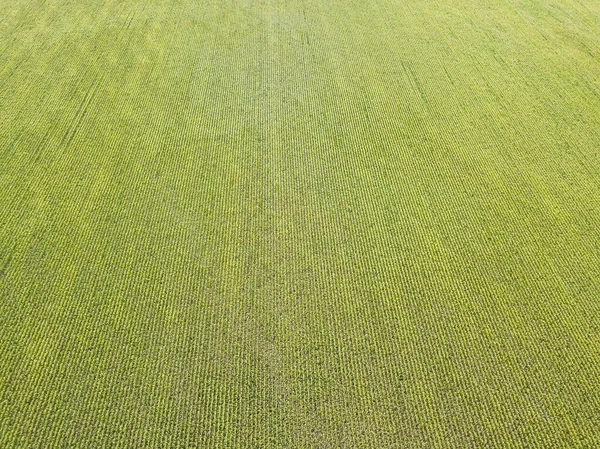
[{"x": 299, "y": 224}]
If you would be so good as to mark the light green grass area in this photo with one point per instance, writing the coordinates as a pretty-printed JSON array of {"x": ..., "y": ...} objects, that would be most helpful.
[{"x": 300, "y": 224}]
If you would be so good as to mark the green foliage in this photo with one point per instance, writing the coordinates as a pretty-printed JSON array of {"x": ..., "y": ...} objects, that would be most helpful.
[{"x": 299, "y": 224}]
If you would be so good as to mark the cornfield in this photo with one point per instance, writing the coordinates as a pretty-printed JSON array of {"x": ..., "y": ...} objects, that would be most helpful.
[{"x": 299, "y": 224}]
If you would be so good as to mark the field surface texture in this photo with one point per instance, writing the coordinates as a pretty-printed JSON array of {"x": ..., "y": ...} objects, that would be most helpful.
[{"x": 300, "y": 224}]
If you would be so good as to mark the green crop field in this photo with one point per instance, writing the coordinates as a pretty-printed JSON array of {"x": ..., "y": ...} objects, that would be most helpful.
[{"x": 300, "y": 224}]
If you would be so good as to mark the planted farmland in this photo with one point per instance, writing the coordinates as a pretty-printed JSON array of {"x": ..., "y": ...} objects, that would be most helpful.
[{"x": 300, "y": 224}]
